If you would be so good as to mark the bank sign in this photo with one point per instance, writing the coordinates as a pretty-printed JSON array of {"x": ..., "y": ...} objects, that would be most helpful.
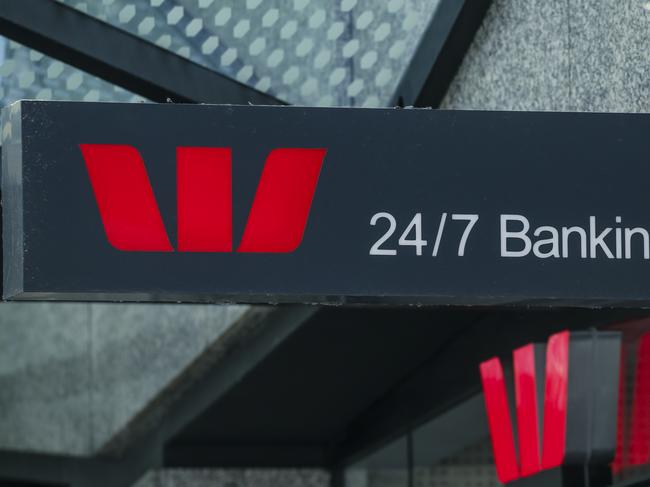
[{"x": 315, "y": 205}]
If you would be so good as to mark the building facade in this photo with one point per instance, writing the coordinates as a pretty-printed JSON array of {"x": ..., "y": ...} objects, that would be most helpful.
[{"x": 296, "y": 395}]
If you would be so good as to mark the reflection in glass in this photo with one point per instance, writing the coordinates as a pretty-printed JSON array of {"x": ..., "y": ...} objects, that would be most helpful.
[
  {"x": 387, "y": 467},
  {"x": 454, "y": 449},
  {"x": 632, "y": 459},
  {"x": 471, "y": 466}
]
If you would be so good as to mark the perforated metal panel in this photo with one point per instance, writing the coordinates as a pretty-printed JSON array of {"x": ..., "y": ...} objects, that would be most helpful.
[
  {"x": 26, "y": 73},
  {"x": 309, "y": 52}
]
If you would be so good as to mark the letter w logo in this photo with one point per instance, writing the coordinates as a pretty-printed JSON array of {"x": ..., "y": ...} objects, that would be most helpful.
[
  {"x": 527, "y": 367},
  {"x": 132, "y": 220}
]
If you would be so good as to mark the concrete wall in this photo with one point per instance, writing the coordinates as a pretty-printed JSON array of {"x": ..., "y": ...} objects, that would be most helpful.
[
  {"x": 73, "y": 376},
  {"x": 582, "y": 55}
]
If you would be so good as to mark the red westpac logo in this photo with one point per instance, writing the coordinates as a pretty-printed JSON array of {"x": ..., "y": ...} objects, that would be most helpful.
[
  {"x": 132, "y": 219},
  {"x": 536, "y": 453}
]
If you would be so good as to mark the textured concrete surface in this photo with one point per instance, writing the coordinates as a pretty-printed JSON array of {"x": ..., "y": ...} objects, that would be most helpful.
[
  {"x": 45, "y": 377},
  {"x": 235, "y": 478},
  {"x": 519, "y": 59},
  {"x": 558, "y": 55},
  {"x": 74, "y": 376},
  {"x": 155, "y": 344},
  {"x": 610, "y": 55}
]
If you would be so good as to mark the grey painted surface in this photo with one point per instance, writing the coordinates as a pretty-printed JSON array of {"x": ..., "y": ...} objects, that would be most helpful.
[
  {"x": 558, "y": 55},
  {"x": 235, "y": 478},
  {"x": 74, "y": 376}
]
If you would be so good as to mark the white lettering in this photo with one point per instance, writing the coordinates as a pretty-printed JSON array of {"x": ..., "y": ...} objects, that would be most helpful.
[
  {"x": 629, "y": 232},
  {"x": 565, "y": 241},
  {"x": 599, "y": 240},
  {"x": 520, "y": 235},
  {"x": 553, "y": 241}
]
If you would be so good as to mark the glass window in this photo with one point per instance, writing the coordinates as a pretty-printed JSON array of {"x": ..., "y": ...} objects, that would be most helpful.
[
  {"x": 632, "y": 460},
  {"x": 387, "y": 467},
  {"x": 451, "y": 450},
  {"x": 454, "y": 449},
  {"x": 473, "y": 465},
  {"x": 307, "y": 52}
]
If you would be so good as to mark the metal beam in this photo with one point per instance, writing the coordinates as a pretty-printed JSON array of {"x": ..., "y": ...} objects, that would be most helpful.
[
  {"x": 440, "y": 53},
  {"x": 118, "y": 57},
  {"x": 23, "y": 468}
]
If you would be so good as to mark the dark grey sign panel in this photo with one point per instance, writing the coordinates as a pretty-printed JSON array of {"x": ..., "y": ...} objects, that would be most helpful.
[{"x": 290, "y": 204}]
